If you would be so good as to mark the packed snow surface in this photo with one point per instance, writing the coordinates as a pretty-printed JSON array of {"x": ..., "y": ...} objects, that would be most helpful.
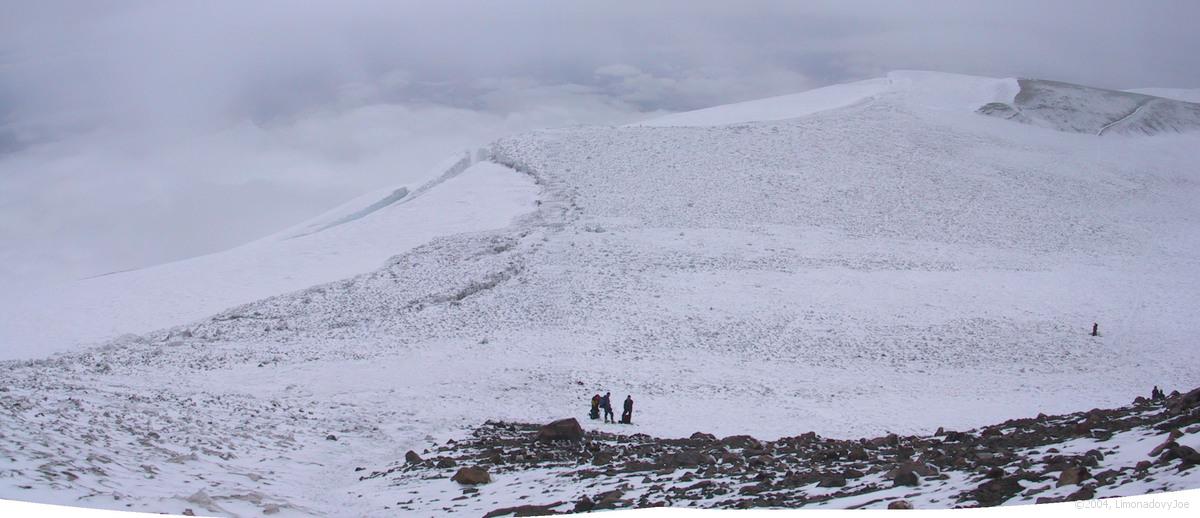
[
  {"x": 895, "y": 262},
  {"x": 468, "y": 197}
]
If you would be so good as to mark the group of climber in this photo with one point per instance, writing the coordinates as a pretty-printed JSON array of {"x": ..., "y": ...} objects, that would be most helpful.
[
  {"x": 605, "y": 403},
  {"x": 1157, "y": 394}
]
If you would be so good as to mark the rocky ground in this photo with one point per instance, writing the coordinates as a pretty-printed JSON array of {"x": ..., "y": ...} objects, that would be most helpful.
[{"x": 504, "y": 469}]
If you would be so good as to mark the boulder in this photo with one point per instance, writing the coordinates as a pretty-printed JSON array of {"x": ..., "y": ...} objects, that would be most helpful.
[
  {"x": 1084, "y": 493},
  {"x": 609, "y": 499},
  {"x": 906, "y": 478},
  {"x": 1186, "y": 453},
  {"x": 525, "y": 510},
  {"x": 1186, "y": 402},
  {"x": 832, "y": 481},
  {"x": 742, "y": 441},
  {"x": 1171, "y": 437},
  {"x": 701, "y": 436},
  {"x": 900, "y": 504},
  {"x": 602, "y": 458},
  {"x": 412, "y": 458},
  {"x": 1073, "y": 475},
  {"x": 561, "y": 430},
  {"x": 996, "y": 491},
  {"x": 584, "y": 505},
  {"x": 687, "y": 459},
  {"x": 472, "y": 476},
  {"x": 920, "y": 468}
]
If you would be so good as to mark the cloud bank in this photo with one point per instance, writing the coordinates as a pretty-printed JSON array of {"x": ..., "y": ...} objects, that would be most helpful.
[{"x": 136, "y": 132}]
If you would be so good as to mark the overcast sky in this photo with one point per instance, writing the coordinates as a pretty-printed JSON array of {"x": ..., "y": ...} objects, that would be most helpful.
[{"x": 136, "y": 132}]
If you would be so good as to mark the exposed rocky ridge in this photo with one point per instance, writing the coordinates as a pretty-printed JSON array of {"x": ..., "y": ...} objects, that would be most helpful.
[
  {"x": 1082, "y": 109},
  {"x": 1076, "y": 456}
]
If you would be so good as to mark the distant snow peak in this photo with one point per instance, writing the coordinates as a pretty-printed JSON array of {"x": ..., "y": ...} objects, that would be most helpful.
[{"x": 1083, "y": 109}]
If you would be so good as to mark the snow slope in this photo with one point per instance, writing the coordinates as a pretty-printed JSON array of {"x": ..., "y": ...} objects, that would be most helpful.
[
  {"x": 894, "y": 264},
  {"x": 469, "y": 197}
]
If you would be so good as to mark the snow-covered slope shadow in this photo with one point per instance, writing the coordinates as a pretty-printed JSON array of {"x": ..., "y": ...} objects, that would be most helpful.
[{"x": 462, "y": 196}]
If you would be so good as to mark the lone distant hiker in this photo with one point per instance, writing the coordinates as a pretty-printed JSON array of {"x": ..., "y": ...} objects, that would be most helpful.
[
  {"x": 1095, "y": 329},
  {"x": 627, "y": 415},
  {"x": 595, "y": 413},
  {"x": 606, "y": 404}
]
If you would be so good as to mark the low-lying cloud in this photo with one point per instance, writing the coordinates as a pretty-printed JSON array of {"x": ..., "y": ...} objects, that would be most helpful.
[{"x": 135, "y": 132}]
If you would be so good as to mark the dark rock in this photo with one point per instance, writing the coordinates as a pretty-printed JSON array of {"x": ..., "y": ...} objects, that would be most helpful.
[
  {"x": 609, "y": 499},
  {"x": 1073, "y": 475},
  {"x": 602, "y": 458},
  {"x": 1143, "y": 465},
  {"x": 446, "y": 462},
  {"x": 584, "y": 505},
  {"x": 701, "y": 436},
  {"x": 525, "y": 510},
  {"x": 331, "y": 437},
  {"x": 561, "y": 430},
  {"x": 996, "y": 491},
  {"x": 890, "y": 439},
  {"x": 687, "y": 459},
  {"x": 1167, "y": 444},
  {"x": 761, "y": 460},
  {"x": 906, "y": 478},
  {"x": 899, "y": 504},
  {"x": 742, "y": 442},
  {"x": 471, "y": 476},
  {"x": 412, "y": 458},
  {"x": 1084, "y": 493},
  {"x": 1106, "y": 477},
  {"x": 922, "y": 469},
  {"x": 1186, "y": 453},
  {"x": 832, "y": 481}
]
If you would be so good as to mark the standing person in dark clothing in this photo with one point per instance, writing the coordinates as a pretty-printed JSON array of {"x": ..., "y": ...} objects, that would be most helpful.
[
  {"x": 606, "y": 404},
  {"x": 595, "y": 413},
  {"x": 627, "y": 415}
]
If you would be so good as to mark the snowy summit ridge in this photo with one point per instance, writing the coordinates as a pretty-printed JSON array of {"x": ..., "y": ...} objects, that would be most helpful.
[{"x": 858, "y": 260}]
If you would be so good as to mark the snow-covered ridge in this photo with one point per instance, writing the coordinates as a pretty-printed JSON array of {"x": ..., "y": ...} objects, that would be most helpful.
[
  {"x": 1049, "y": 104},
  {"x": 461, "y": 195},
  {"x": 1096, "y": 111},
  {"x": 929, "y": 90},
  {"x": 380, "y": 199}
]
